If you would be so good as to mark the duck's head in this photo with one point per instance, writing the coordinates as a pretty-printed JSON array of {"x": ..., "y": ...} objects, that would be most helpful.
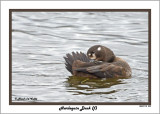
[{"x": 100, "y": 53}]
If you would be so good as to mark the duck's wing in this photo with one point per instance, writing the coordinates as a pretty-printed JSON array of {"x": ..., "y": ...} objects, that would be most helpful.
[
  {"x": 106, "y": 70},
  {"x": 70, "y": 58},
  {"x": 91, "y": 69},
  {"x": 95, "y": 70}
]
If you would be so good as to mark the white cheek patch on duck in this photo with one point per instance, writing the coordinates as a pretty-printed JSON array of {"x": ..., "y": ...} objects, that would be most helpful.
[
  {"x": 93, "y": 56},
  {"x": 99, "y": 48}
]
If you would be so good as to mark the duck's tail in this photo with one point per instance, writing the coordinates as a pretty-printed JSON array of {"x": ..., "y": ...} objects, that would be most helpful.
[{"x": 70, "y": 58}]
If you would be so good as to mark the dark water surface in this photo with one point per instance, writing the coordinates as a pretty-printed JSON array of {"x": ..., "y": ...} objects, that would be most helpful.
[{"x": 41, "y": 39}]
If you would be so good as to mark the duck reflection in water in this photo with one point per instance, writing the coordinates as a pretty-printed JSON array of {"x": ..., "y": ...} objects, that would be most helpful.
[{"x": 76, "y": 83}]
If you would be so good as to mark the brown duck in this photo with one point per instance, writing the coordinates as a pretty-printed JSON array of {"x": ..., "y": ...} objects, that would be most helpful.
[{"x": 100, "y": 62}]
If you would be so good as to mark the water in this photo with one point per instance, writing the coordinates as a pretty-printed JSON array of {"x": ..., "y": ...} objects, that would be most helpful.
[{"x": 41, "y": 39}]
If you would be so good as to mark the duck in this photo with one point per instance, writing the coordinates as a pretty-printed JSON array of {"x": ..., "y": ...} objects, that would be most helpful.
[{"x": 98, "y": 62}]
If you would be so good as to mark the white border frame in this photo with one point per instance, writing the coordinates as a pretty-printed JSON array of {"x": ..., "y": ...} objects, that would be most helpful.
[{"x": 6, "y": 5}]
